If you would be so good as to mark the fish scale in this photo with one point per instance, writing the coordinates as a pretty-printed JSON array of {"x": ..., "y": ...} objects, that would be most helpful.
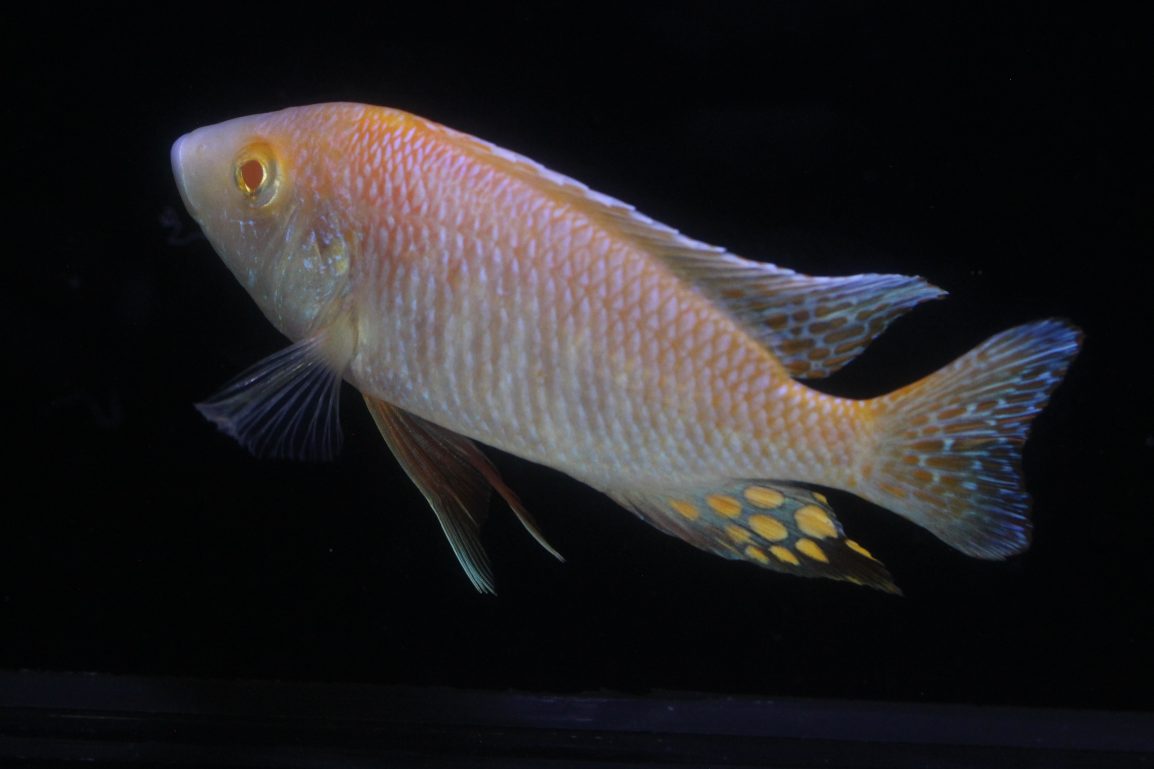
[{"x": 470, "y": 294}]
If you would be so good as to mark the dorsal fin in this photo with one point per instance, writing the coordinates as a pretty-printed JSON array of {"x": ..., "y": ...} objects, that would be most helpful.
[{"x": 813, "y": 325}]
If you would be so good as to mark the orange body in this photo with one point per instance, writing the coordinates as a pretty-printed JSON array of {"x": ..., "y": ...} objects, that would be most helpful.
[
  {"x": 494, "y": 301},
  {"x": 471, "y": 294}
]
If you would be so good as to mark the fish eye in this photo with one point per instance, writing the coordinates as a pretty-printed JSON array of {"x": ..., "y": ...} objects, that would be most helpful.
[{"x": 255, "y": 174}]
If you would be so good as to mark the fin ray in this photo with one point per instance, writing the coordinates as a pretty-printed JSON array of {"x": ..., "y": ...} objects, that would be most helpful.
[
  {"x": 286, "y": 406},
  {"x": 950, "y": 445},
  {"x": 456, "y": 478},
  {"x": 774, "y": 525},
  {"x": 814, "y": 325}
]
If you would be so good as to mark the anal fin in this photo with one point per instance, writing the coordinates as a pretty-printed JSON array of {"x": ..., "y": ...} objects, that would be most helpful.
[
  {"x": 456, "y": 479},
  {"x": 774, "y": 525}
]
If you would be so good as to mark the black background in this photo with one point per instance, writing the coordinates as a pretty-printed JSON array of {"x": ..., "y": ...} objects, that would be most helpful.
[{"x": 1001, "y": 151}]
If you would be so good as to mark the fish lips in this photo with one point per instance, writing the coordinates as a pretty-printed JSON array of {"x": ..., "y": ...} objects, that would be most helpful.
[{"x": 185, "y": 151}]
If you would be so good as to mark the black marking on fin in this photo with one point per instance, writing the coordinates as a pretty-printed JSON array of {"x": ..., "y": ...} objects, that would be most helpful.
[{"x": 774, "y": 525}]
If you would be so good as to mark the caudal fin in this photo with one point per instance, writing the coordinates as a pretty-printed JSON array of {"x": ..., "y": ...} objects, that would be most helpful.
[{"x": 948, "y": 452}]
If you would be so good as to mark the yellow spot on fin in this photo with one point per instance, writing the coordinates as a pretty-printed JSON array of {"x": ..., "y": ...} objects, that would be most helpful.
[
  {"x": 765, "y": 498},
  {"x": 773, "y": 525},
  {"x": 739, "y": 535},
  {"x": 815, "y": 522},
  {"x": 785, "y": 555},
  {"x": 723, "y": 504},
  {"x": 757, "y": 555},
  {"x": 768, "y": 527},
  {"x": 811, "y": 549}
]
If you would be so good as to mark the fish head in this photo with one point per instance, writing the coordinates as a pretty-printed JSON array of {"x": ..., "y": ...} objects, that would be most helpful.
[{"x": 264, "y": 190}]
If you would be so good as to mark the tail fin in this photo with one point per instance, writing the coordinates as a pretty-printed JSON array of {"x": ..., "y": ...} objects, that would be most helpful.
[{"x": 949, "y": 447}]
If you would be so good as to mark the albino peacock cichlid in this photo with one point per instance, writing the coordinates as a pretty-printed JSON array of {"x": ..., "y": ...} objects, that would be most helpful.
[{"x": 471, "y": 295}]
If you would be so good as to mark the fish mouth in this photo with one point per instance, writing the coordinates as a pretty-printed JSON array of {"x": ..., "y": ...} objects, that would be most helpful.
[
  {"x": 178, "y": 171},
  {"x": 181, "y": 149}
]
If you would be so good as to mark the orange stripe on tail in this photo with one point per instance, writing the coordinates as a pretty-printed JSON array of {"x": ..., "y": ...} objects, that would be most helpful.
[{"x": 948, "y": 450}]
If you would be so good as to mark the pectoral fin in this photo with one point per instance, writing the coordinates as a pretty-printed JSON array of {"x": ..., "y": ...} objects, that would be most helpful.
[
  {"x": 456, "y": 479},
  {"x": 286, "y": 406},
  {"x": 774, "y": 525}
]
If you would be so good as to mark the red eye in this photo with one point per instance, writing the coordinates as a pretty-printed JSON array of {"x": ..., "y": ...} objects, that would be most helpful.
[
  {"x": 251, "y": 175},
  {"x": 255, "y": 173}
]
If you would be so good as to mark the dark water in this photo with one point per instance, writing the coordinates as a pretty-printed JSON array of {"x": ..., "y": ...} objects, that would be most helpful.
[{"x": 1003, "y": 154}]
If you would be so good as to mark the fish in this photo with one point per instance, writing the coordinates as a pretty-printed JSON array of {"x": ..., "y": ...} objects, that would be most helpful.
[{"x": 474, "y": 297}]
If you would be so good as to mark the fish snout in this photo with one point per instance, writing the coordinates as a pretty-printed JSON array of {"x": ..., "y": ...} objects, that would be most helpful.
[
  {"x": 179, "y": 148},
  {"x": 192, "y": 157}
]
